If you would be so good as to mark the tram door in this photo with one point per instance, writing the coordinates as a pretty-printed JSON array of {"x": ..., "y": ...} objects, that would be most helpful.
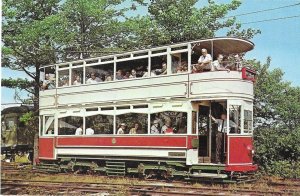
[{"x": 204, "y": 134}]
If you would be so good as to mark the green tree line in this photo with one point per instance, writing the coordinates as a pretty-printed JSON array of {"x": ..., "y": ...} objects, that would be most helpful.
[{"x": 36, "y": 33}]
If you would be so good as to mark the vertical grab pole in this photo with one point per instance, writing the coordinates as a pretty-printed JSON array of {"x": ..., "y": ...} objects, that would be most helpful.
[
  {"x": 209, "y": 132},
  {"x": 189, "y": 58}
]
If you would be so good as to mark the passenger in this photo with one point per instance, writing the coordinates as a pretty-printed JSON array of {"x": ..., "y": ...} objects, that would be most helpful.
[
  {"x": 77, "y": 80},
  {"x": 217, "y": 65},
  {"x": 89, "y": 131},
  {"x": 47, "y": 83},
  {"x": 79, "y": 130},
  {"x": 93, "y": 79},
  {"x": 135, "y": 129},
  {"x": 179, "y": 69},
  {"x": 235, "y": 62},
  {"x": 163, "y": 70},
  {"x": 222, "y": 126},
  {"x": 119, "y": 75},
  {"x": 167, "y": 129},
  {"x": 122, "y": 128},
  {"x": 184, "y": 65},
  {"x": 65, "y": 82},
  {"x": 204, "y": 62},
  {"x": 146, "y": 74},
  {"x": 133, "y": 74},
  {"x": 155, "y": 127},
  {"x": 127, "y": 75},
  {"x": 108, "y": 77}
]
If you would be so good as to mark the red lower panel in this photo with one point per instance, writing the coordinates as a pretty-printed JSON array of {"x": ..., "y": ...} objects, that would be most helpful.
[
  {"x": 240, "y": 150},
  {"x": 241, "y": 168},
  {"x": 46, "y": 148},
  {"x": 141, "y": 142}
]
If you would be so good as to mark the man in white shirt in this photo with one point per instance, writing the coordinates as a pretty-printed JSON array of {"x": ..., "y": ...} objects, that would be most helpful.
[
  {"x": 122, "y": 128},
  {"x": 222, "y": 127},
  {"x": 204, "y": 62},
  {"x": 79, "y": 131},
  {"x": 217, "y": 64},
  {"x": 155, "y": 127},
  {"x": 89, "y": 131},
  {"x": 93, "y": 79}
]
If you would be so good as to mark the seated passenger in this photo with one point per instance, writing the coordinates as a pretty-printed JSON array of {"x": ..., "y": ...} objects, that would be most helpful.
[
  {"x": 119, "y": 75},
  {"x": 93, "y": 79},
  {"x": 184, "y": 65},
  {"x": 65, "y": 82},
  {"x": 77, "y": 80},
  {"x": 204, "y": 62},
  {"x": 108, "y": 77},
  {"x": 179, "y": 69},
  {"x": 135, "y": 129},
  {"x": 47, "y": 83},
  {"x": 155, "y": 127},
  {"x": 217, "y": 65},
  {"x": 122, "y": 128},
  {"x": 163, "y": 70},
  {"x": 89, "y": 131},
  {"x": 167, "y": 129},
  {"x": 127, "y": 75},
  {"x": 133, "y": 74},
  {"x": 79, "y": 130}
]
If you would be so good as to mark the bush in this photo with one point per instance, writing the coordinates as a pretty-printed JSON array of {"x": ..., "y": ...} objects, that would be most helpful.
[{"x": 278, "y": 151}]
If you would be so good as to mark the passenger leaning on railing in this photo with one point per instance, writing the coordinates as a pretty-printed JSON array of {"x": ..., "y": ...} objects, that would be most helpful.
[{"x": 217, "y": 65}]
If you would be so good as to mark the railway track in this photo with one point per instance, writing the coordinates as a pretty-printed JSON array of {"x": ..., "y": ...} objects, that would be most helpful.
[
  {"x": 15, "y": 184},
  {"x": 24, "y": 187}
]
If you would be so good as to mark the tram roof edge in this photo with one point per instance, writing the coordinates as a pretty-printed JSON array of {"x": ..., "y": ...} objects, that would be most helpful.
[{"x": 223, "y": 45}]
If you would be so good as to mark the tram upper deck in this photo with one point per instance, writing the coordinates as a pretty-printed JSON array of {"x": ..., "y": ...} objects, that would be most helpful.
[{"x": 158, "y": 73}]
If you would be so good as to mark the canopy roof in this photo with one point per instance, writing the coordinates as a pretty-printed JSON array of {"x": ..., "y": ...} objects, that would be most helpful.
[{"x": 225, "y": 45}]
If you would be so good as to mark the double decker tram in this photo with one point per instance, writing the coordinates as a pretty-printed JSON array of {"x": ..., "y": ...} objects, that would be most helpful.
[{"x": 148, "y": 113}]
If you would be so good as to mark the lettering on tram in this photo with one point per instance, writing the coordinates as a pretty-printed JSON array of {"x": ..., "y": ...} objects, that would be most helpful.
[{"x": 189, "y": 103}]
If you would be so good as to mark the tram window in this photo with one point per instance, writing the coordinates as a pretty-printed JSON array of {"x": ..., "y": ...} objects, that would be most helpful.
[
  {"x": 68, "y": 125},
  {"x": 49, "y": 125},
  {"x": 169, "y": 122},
  {"x": 179, "y": 62},
  {"x": 10, "y": 124},
  {"x": 48, "y": 78},
  {"x": 131, "y": 69},
  {"x": 248, "y": 121},
  {"x": 235, "y": 117},
  {"x": 101, "y": 124},
  {"x": 77, "y": 76},
  {"x": 158, "y": 65},
  {"x": 132, "y": 123},
  {"x": 99, "y": 73},
  {"x": 63, "y": 77}
]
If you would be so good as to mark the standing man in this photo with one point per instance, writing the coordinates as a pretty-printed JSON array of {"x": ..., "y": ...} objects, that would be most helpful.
[{"x": 222, "y": 129}]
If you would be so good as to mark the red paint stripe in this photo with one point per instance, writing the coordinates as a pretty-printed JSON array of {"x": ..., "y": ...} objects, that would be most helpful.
[
  {"x": 123, "y": 141},
  {"x": 241, "y": 168},
  {"x": 46, "y": 148}
]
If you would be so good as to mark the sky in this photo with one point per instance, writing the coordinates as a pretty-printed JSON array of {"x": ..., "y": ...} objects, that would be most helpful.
[{"x": 279, "y": 39}]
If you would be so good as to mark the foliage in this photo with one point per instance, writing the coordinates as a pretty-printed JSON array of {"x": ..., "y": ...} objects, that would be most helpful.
[
  {"x": 277, "y": 118},
  {"x": 173, "y": 21},
  {"x": 27, "y": 118}
]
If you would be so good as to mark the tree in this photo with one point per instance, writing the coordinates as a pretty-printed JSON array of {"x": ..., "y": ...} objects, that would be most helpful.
[
  {"x": 277, "y": 122},
  {"x": 29, "y": 36},
  {"x": 173, "y": 21},
  {"x": 276, "y": 101}
]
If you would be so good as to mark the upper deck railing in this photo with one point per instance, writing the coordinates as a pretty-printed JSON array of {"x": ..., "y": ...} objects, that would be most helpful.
[{"x": 155, "y": 62}]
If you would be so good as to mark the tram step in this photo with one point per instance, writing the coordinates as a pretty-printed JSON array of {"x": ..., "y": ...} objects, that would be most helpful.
[
  {"x": 115, "y": 168},
  {"x": 208, "y": 175}
]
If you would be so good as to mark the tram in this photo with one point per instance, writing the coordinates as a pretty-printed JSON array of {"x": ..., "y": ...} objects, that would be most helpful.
[{"x": 147, "y": 113}]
